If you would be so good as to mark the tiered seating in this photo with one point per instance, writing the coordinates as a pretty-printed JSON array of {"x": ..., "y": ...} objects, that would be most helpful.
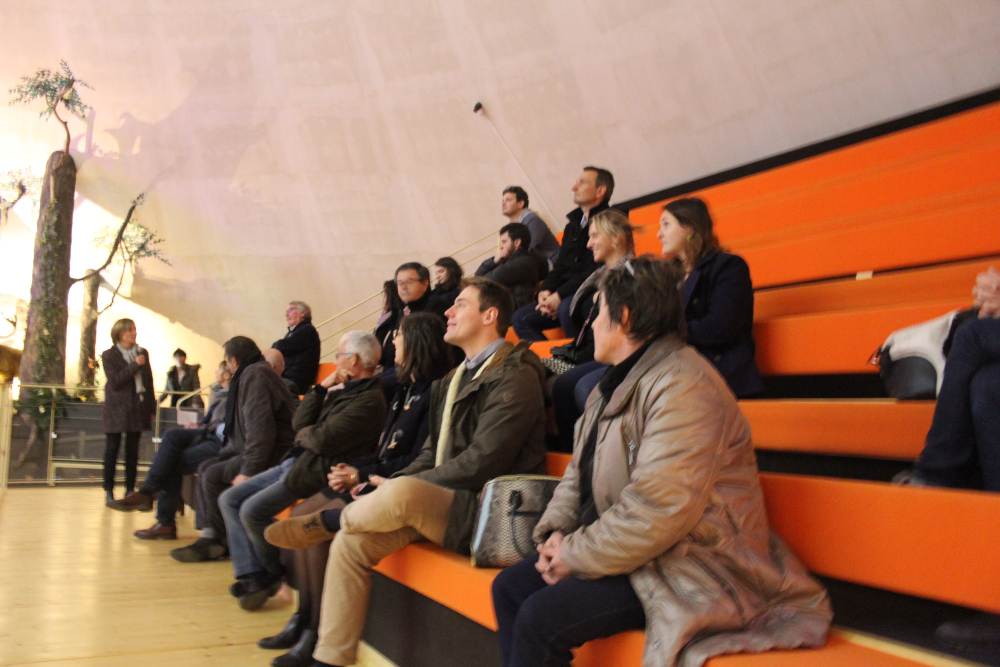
[{"x": 844, "y": 248}]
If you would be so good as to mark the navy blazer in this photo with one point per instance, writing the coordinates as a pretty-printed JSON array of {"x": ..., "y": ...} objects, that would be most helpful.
[
  {"x": 300, "y": 347},
  {"x": 718, "y": 307}
]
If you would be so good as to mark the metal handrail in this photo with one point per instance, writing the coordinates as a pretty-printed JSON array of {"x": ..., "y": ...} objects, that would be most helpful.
[{"x": 379, "y": 293}]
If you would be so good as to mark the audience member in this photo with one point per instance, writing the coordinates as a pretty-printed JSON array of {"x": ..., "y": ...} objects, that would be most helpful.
[
  {"x": 180, "y": 453},
  {"x": 412, "y": 285},
  {"x": 422, "y": 356},
  {"x": 182, "y": 378},
  {"x": 612, "y": 243},
  {"x": 390, "y": 302},
  {"x": 338, "y": 420},
  {"x": 514, "y": 206},
  {"x": 300, "y": 348},
  {"x": 487, "y": 420},
  {"x": 257, "y": 435},
  {"x": 514, "y": 266},
  {"x": 575, "y": 261},
  {"x": 447, "y": 282},
  {"x": 129, "y": 403},
  {"x": 661, "y": 528},
  {"x": 962, "y": 449}
]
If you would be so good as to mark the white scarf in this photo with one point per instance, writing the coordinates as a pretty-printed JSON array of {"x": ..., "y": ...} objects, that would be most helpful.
[
  {"x": 449, "y": 404},
  {"x": 130, "y": 356}
]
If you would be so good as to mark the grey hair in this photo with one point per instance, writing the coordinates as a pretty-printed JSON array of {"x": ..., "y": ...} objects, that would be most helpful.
[
  {"x": 302, "y": 307},
  {"x": 365, "y": 345}
]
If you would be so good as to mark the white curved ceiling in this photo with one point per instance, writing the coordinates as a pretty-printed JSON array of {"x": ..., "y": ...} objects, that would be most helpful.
[{"x": 304, "y": 149}]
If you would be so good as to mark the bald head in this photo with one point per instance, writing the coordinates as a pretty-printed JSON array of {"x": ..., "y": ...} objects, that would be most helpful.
[{"x": 275, "y": 360}]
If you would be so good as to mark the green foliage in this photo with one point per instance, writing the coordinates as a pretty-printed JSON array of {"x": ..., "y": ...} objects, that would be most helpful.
[
  {"x": 39, "y": 404},
  {"x": 12, "y": 180},
  {"x": 49, "y": 308},
  {"x": 53, "y": 87},
  {"x": 138, "y": 242}
]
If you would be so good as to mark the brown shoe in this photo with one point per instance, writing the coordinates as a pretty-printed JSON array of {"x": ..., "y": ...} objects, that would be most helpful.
[
  {"x": 157, "y": 532},
  {"x": 298, "y": 532},
  {"x": 133, "y": 502}
]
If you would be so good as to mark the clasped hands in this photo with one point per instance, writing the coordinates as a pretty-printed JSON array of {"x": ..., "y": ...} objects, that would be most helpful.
[
  {"x": 987, "y": 293},
  {"x": 343, "y": 478},
  {"x": 548, "y": 303},
  {"x": 550, "y": 563}
]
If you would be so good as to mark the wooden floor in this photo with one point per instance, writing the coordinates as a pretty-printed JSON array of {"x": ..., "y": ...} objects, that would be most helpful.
[{"x": 77, "y": 589}]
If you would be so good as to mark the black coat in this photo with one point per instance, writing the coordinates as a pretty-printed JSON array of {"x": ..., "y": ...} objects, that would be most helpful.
[
  {"x": 718, "y": 307},
  {"x": 189, "y": 383},
  {"x": 520, "y": 273},
  {"x": 406, "y": 427},
  {"x": 334, "y": 427},
  {"x": 125, "y": 410},
  {"x": 300, "y": 347},
  {"x": 575, "y": 260}
]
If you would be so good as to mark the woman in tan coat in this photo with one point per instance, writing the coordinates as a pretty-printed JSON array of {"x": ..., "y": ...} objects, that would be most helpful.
[{"x": 659, "y": 522}]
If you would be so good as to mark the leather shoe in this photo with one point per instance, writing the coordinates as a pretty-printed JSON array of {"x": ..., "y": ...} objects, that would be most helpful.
[
  {"x": 203, "y": 549},
  {"x": 301, "y": 653},
  {"x": 298, "y": 532},
  {"x": 157, "y": 532},
  {"x": 288, "y": 636},
  {"x": 258, "y": 591},
  {"x": 237, "y": 588},
  {"x": 133, "y": 502}
]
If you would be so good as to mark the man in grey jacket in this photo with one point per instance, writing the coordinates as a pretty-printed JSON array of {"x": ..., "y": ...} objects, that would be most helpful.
[
  {"x": 258, "y": 435},
  {"x": 486, "y": 419},
  {"x": 514, "y": 206}
]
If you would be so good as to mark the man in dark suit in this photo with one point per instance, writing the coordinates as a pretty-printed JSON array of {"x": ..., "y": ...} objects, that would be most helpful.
[{"x": 300, "y": 347}]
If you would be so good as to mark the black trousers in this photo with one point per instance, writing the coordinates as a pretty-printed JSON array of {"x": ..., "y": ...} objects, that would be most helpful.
[
  {"x": 540, "y": 624},
  {"x": 113, "y": 442}
]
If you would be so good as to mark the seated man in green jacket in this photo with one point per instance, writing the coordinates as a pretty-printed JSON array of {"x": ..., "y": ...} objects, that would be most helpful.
[
  {"x": 487, "y": 419},
  {"x": 340, "y": 419}
]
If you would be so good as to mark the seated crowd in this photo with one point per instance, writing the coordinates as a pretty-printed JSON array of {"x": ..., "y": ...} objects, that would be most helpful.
[{"x": 658, "y": 522}]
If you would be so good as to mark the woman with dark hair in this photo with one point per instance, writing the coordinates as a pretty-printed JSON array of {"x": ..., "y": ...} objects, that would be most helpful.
[
  {"x": 390, "y": 302},
  {"x": 447, "y": 274},
  {"x": 658, "y": 522},
  {"x": 129, "y": 403},
  {"x": 422, "y": 357}
]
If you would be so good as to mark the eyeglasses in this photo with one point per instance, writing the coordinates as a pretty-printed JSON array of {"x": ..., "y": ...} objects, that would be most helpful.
[
  {"x": 407, "y": 283},
  {"x": 340, "y": 354}
]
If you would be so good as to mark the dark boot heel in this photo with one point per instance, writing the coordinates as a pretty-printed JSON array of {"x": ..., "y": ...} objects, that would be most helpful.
[
  {"x": 288, "y": 637},
  {"x": 301, "y": 653}
]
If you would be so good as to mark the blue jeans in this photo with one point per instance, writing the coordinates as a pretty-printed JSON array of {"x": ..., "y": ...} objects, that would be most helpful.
[
  {"x": 964, "y": 439},
  {"x": 177, "y": 455},
  {"x": 539, "y": 624},
  {"x": 564, "y": 400},
  {"x": 248, "y": 509},
  {"x": 529, "y": 323}
]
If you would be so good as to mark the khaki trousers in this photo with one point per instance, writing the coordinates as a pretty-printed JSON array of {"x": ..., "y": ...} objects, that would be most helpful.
[{"x": 400, "y": 511}]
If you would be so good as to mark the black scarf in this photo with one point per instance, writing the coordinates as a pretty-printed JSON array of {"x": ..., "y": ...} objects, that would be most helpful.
[
  {"x": 612, "y": 378},
  {"x": 234, "y": 392}
]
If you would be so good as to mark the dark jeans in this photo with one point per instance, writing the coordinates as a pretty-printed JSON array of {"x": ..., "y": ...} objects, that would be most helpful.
[
  {"x": 179, "y": 454},
  {"x": 112, "y": 444},
  {"x": 564, "y": 401},
  {"x": 964, "y": 439},
  {"x": 539, "y": 624},
  {"x": 529, "y": 323}
]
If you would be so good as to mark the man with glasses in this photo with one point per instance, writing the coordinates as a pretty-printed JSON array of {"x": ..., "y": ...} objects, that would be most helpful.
[
  {"x": 300, "y": 347},
  {"x": 413, "y": 282}
]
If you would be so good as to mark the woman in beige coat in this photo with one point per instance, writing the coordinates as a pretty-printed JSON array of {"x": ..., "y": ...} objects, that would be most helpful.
[{"x": 659, "y": 522}]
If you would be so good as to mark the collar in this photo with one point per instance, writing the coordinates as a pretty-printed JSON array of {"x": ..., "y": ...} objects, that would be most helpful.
[
  {"x": 484, "y": 354},
  {"x": 576, "y": 215},
  {"x": 657, "y": 350},
  {"x": 304, "y": 320},
  {"x": 524, "y": 214},
  {"x": 687, "y": 287}
]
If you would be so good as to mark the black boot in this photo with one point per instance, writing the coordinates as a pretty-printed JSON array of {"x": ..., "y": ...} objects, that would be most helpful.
[
  {"x": 109, "y": 498},
  {"x": 301, "y": 654},
  {"x": 288, "y": 636}
]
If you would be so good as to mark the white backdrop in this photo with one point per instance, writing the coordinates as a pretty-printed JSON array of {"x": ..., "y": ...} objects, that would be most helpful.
[{"x": 301, "y": 150}]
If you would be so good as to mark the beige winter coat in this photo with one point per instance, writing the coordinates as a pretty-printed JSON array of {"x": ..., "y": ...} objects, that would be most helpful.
[{"x": 681, "y": 511}]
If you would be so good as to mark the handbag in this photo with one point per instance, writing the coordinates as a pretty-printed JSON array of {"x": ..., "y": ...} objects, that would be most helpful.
[
  {"x": 911, "y": 361},
  {"x": 509, "y": 509}
]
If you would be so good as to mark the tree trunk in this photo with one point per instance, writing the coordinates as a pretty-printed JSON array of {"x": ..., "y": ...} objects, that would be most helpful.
[
  {"x": 88, "y": 329},
  {"x": 44, "y": 358}
]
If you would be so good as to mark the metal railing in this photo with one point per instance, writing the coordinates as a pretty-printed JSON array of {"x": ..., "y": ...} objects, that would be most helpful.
[
  {"x": 65, "y": 421},
  {"x": 368, "y": 319}
]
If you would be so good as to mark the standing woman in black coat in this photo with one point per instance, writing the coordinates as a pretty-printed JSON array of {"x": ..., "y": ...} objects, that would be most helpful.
[{"x": 129, "y": 402}]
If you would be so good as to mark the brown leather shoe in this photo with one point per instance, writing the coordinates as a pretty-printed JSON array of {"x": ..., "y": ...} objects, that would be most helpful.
[
  {"x": 298, "y": 532},
  {"x": 157, "y": 532},
  {"x": 133, "y": 502}
]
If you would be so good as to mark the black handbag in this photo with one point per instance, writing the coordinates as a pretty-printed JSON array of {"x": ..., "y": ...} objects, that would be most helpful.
[{"x": 509, "y": 509}]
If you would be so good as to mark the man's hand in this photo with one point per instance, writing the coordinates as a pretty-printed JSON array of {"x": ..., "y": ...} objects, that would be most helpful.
[
  {"x": 550, "y": 304},
  {"x": 339, "y": 376},
  {"x": 190, "y": 425},
  {"x": 550, "y": 564},
  {"x": 987, "y": 293},
  {"x": 239, "y": 479},
  {"x": 342, "y": 477}
]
